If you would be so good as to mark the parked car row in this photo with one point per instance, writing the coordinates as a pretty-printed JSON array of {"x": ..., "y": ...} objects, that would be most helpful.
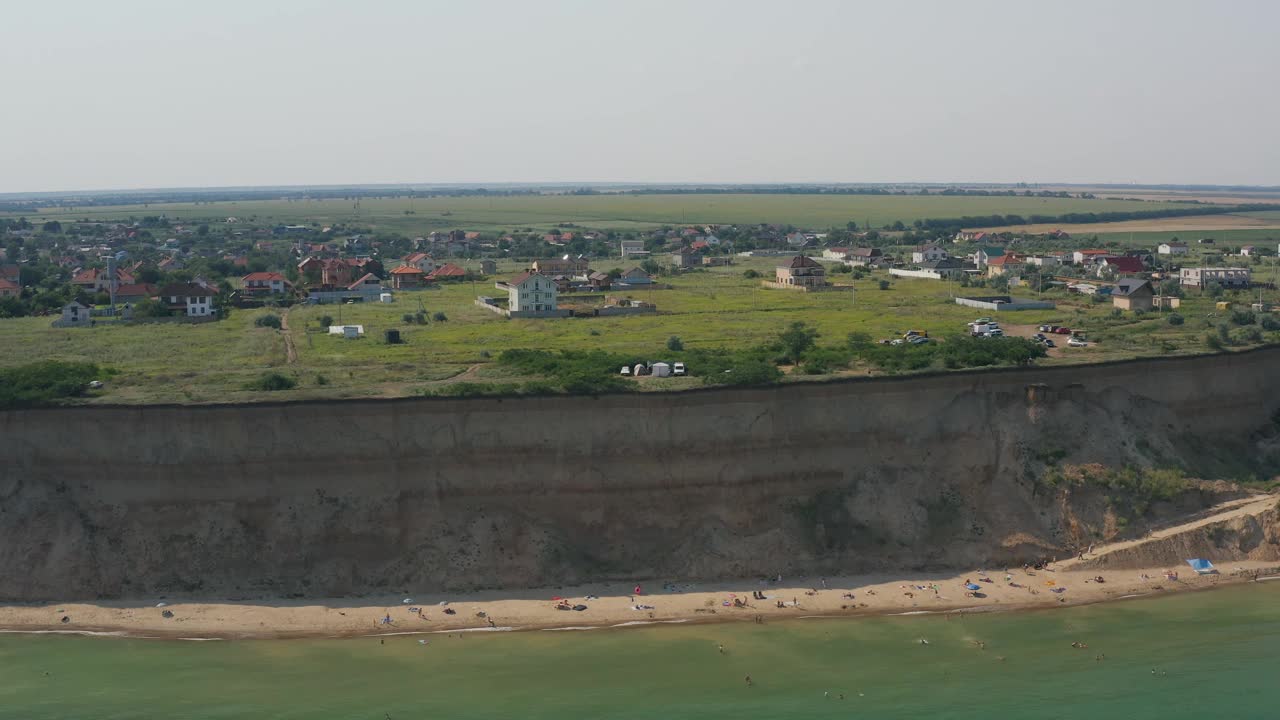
[
  {"x": 985, "y": 327},
  {"x": 1055, "y": 329},
  {"x": 911, "y": 337},
  {"x": 1043, "y": 340},
  {"x": 656, "y": 369}
]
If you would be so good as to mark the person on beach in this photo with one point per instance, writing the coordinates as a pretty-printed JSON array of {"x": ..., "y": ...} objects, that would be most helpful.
[{"x": 749, "y": 683}]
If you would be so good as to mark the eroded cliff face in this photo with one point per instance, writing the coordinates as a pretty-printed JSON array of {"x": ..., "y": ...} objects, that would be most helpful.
[{"x": 330, "y": 499}]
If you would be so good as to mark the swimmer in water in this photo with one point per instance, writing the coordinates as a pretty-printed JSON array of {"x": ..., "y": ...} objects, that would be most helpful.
[
  {"x": 721, "y": 648},
  {"x": 749, "y": 683}
]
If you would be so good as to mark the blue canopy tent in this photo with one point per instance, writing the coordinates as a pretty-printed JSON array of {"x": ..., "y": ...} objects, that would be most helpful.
[
  {"x": 972, "y": 586},
  {"x": 1202, "y": 566}
]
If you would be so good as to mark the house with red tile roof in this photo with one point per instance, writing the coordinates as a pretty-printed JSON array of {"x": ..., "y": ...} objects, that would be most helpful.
[
  {"x": 135, "y": 292},
  {"x": 264, "y": 283},
  {"x": 422, "y": 261},
  {"x": 98, "y": 279},
  {"x": 9, "y": 289},
  {"x": 406, "y": 277},
  {"x": 447, "y": 271}
]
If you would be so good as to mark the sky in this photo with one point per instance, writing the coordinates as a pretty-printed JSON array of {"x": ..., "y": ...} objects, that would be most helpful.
[{"x": 172, "y": 93}]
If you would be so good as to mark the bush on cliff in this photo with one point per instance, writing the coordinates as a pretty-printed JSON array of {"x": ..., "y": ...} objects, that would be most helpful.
[
  {"x": 44, "y": 383},
  {"x": 271, "y": 382}
]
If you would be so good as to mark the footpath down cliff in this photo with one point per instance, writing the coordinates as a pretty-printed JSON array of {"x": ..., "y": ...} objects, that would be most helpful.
[{"x": 331, "y": 499}]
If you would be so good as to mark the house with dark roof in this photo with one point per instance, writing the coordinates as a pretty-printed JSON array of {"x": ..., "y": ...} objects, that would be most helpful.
[
  {"x": 802, "y": 271},
  {"x": 985, "y": 254},
  {"x": 599, "y": 281},
  {"x": 1120, "y": 265},
  {"x": 1132, "y": 294},
  {"x": 636, "y": 276},
  {"x": 189, "y": 299},
  {"x": 686, "y": 257}
]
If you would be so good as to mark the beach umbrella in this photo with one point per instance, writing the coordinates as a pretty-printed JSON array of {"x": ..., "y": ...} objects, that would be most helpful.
[{"x": 972, "y": 586}]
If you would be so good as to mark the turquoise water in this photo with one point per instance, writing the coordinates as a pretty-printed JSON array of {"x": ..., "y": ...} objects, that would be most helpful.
[{"x": 1216, "y": 654}]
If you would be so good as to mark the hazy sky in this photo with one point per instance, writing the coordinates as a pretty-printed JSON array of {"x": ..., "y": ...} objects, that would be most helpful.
[{"x": 128, "y": 93}]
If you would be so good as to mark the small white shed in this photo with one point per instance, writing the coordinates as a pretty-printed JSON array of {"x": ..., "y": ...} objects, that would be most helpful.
[{"x": 661, "y": 369}]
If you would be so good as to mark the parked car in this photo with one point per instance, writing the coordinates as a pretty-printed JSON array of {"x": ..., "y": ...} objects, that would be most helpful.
[
  {"x": 1062, "y": 330},
  {"x": 920, "y": 340},
  {"x": 997, "y": 332},
  {"x": 95, "y": 384},
  {"x": 1076, "y": 342},
  {"x": 981, "y": 321},
  {"x": 677, "y": 369},
  {"x": 1049, "y": 343}
]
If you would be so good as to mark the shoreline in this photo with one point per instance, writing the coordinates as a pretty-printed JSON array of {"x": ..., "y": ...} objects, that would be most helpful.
[{"x": 611, "y": 607}]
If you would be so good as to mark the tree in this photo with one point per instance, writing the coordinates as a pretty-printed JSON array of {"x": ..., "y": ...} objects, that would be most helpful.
[
  {"x": 439, "y": 317},
  {"x": 202, "y": 230},
  {"x": 326, "y": 321},
  {"x": 797, "y": 340},
  {"x": 51, "y": 227},
  {"x": 674, "y": 344},
  {"x": 1176, "y": 319},
  {"x": 884, "y": 284}
]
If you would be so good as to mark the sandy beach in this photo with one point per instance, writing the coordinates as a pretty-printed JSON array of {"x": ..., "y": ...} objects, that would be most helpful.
[{"x": 618, "y": 605}]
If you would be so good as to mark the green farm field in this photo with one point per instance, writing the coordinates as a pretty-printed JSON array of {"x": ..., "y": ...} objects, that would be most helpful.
[
  {"x": 622, "y": 212},
  {"x": 707, "y": 309}
]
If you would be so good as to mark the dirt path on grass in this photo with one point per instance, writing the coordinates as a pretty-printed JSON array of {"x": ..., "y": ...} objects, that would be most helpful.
[{"x": 290, "y": 352}]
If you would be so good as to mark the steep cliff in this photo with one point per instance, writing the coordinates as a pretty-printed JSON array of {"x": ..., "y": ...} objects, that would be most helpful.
[{"x": 324, "y": 499}]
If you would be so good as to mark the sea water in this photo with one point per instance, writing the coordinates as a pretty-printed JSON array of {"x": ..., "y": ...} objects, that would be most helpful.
[{"x": 1195, "y": 655}]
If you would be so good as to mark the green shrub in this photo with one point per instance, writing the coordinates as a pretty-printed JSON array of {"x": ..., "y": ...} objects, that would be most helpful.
[
  {"x": 439, "y": 317},
  {"x": 1243, "y": 317},
  {"x": 674, "y": 344},
  {"x": 1269, "y": 322},
  {"x": 270, "y": 382},
  {"x": 1176, "y": 319},
  {"x": 270, "y": 320},
  {"x": 322, "y": 380},
  {"x": 407, "y": 318},
  {"x": 326, "y": 321},
  {"x": 44, "y": 383},
  {"x": 750, "y": 274},
  {"x": 884, "y": 284}
]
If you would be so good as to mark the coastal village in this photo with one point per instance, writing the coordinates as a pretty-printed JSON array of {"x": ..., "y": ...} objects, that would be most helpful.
[
  {"x": 128, "y": 271},
  {"x": 318, "y": 286}
]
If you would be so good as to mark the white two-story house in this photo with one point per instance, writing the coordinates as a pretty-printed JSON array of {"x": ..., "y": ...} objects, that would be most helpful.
[
  {"x": 530, "y": 292},
  {"x": 190, "y": 299},
  {"x": 928, "y": 253}
]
